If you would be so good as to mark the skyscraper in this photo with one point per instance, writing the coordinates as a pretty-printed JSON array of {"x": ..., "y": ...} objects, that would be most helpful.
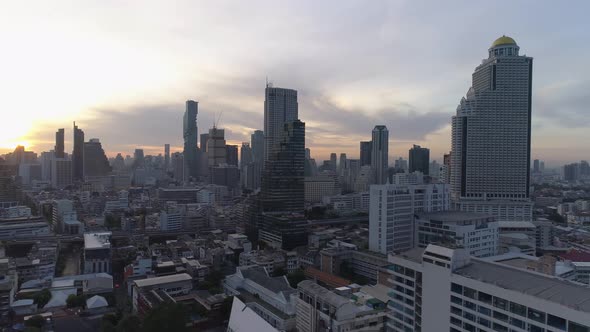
[
  {"x": 59, "y": 144},
  {"x": 380, "y": 154},
  {"x": 536, "y": 167},
  {"x": 231, "y": 152},
  {"x": 190, "y": 134},
  {"x": 138, "y": 158},
  {"x": 257, "y": 144},
  {"x": 419, "y": 159},
  {"x": 365, "y": 156},
  {"x": 78, "y": 154},
  {"x": 280, "y": 106},
  {"x": 342, "y": 163},
  {"x": 245, "y": 154},
  {"x": 203, "y": 143},
  {"x": 95, "y": 160},
  {"x": 491, "y": 136},
  {"x": 166, "y": 157},
  {"x": 216, "y": 150},
  {"x": 333, "y": 162}
]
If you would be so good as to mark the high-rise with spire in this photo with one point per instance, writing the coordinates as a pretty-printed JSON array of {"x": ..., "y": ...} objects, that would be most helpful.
[
  {"x": 491, "y": 136},
  {"x": 190, "y": 135}
]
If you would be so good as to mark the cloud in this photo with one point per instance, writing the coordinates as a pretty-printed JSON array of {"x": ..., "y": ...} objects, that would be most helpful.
[{"x": 565, "y": 104}]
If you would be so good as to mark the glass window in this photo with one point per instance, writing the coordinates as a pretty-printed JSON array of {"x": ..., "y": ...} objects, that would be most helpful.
[
  {"x": 470, "y": 305},
  {"x": 534, "y": 328},
  {"x": 456, "y": 311},
  {"x": 555, "y": 321},
  {"x": 575, "y": 327},
  {"x": 484, "y": 322},
  {"x": 499, "y": 327},
  {"x": 517, "y": 322},
  {"x": 469, "y": 316},
  {"x": 455, "y": 288},
  {"x": 536, "y": 315},
  {"x": 455, "y": 321},
  {"x": 470, "y": 293},
  {"x": 469, "y": 327},
  {"x": 500, "y": 303},
  {"x": 484, "y": 297},
  {"x": 485, "y": 311},
  {"x": 409, "y": 273},
  {"x": 500, "y": 316},
  {"x": 518, "y": 309},
  {"x": 456, "y": 300}
]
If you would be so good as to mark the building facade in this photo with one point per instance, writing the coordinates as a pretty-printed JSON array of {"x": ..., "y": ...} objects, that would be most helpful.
[{"x": 380, "y": 154}]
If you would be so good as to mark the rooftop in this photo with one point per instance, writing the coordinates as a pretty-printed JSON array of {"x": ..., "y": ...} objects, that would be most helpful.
[
  {"x": 163, "y": 280},
  {"x": 504, "y": 40},
  {"x": 97, "y": 240},
  {"x": 545, "y": 287},
  {"x": 259, "y": 276},
  {"x": 453, "y": 216},
  {"x": 328, "y": 296}
]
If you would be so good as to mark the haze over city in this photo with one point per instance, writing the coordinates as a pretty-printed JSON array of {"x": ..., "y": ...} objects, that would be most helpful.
[{"x": 124, "y": 71}]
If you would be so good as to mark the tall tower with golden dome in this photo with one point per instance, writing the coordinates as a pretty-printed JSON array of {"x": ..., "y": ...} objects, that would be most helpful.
[{"x": 491, "y": 136}]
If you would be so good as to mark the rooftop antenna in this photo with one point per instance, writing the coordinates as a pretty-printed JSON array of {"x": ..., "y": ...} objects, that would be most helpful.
[{"x": 218, "y": 119}]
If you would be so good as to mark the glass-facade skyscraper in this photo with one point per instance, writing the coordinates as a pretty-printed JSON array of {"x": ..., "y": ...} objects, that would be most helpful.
[
  {"x": 78, "y": 154},
  {"x": 380, "y": 154},
  {"x": 280, "y": 106},
  {"x": 491, "y": 136},
  {"x": 419, "y": 158}
]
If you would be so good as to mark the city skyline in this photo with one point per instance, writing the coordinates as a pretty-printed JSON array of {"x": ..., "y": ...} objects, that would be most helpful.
[{"x": 140, "y": 86}]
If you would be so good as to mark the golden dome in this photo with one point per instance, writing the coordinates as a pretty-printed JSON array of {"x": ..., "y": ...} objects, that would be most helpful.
[{"x": 503, "y": 41}]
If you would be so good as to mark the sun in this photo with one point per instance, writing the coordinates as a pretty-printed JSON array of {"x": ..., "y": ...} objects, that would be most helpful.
[{"x": 13, "y": 133}]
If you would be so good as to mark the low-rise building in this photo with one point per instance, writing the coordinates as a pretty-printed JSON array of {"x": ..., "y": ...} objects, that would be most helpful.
[
  {"x": 174, "y": 285},
  {"x": 97, "y": 252},
  {"x": 475, "y": 232},
  {"x": 319, "y": 309}
]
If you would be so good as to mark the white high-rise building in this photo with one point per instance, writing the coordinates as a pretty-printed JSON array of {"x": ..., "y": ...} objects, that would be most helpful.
[
  {"x": 280, "y": 106},
  {"x": 440, "y": 289},
  {"x": 392, "y": 210},
  {"x": 380, "y": 154},
  {"x": 491, "y": 137}
]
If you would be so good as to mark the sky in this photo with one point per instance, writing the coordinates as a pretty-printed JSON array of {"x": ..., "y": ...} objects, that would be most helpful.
[{"x": 123, "y": 70}]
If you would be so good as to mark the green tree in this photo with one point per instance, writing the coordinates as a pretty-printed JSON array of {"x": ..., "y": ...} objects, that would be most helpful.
[
  {"x": 167, "y": 317},
  {"x": 36, "y": 321},
  {"x": 42, "y": 297},
  {"x": 296, "y": 277},
  {"x": 74, "y": 301},
  {"x": 129, "y": 323}
]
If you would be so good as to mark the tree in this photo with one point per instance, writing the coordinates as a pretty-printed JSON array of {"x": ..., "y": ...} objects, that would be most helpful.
[
  {"x": 279, "y": 271},
  {"x": 36, "y": 321},
  {"x": 296, "y": 277},
  {"x": 167, "y": 317},
  {"x": 129, "y": 323},
  {"x": 74, "y": 301},
  {"x": 42, "y": 298}
]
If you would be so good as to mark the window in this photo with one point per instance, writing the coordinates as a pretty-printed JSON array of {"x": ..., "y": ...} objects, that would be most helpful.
[
  {"x": 484, "y": 297},
  {"x": 499, "y": 327},
  {"x": 555, "y": 321},
  {"x": 534, "y": 328},
  {"x": 500, "y": 303},
  {"x": 469, "y": 305},
  {"x": 536, "y": 315},
  {"x": 575, "y": 327},
  {"x": 485, "y": 311},
  {"x": 470, "y": 293},
  {"x": 456, "y": 300},
  {"x": 517, "y": 322},
  {"x": 518, "y": 309},
  {"x": 455, "y": 288},
  {"x": 500, "y": 316},
  {"x": 484, "y": 322}
]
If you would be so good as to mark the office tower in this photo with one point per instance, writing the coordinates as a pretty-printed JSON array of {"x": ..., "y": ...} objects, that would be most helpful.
[
  {"x": 392, "y": 211},
  {"x": 257, "y": 144},
  {"x": 536, "y": 166},
  {"x": 283, "y": 180},
  {"x": 59, "y": 144},
  {"x": 78, "y": 154},
  {"x": 138, "y": 158},
  {"x": 245, "y": 154},
  {"x": 333, "y": 162},
  {"x": 542, "y": 166},
  {"x": 342, "y": 163},
  {"x": 119, "y": 163},
  {"x": 190, "y": 135},
  {"x": 446, "y": 290},
  {"x": 491, "y": 145},
  {"x": 46, "y": 160},
  {"x": 584, "y": 168},
  {"x": 95, "y": 160},
  {"x": 280, "y": 106},
  {"x": 401, "y": 165},
  {"x": 447, "y": 167},
  {"x": 61, "y": 173},
  {"x": 216, "y": 150},
  {"x": 365, "y": 156},
  {"x": 419, "y": 159},
  {"x": 282, "y": 223},
  {"x": 231, "y": 152},
  {"x": 166, "y": 157},
  {"x": 203, "y": 142},
  {"x": 571, "y": 172},
  {"x": 177, "y": 162},
  {"x": 380, "y": 154}
]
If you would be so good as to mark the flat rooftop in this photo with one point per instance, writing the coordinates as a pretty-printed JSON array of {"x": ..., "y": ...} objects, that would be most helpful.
[
  {"x": 549, "y": 288},
  {"x": 99, "y": 240},
  {"x": 163, "y": 280},
  {"x": 453, "y": 216}
]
